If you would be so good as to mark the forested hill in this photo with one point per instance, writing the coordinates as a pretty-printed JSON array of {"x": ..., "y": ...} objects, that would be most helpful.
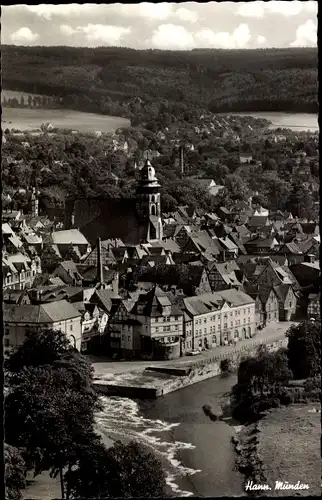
[{"x": 95, "y": 79}]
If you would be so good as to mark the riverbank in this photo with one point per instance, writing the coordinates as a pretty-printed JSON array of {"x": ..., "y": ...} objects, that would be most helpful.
[
  {"x": 283, "y": 446},
  {"x": 149, "y": 384},
  {"x": 202, "y": 446}
]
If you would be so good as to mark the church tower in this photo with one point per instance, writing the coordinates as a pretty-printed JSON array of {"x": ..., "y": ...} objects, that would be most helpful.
[
  {"x": 148, "y": 202},
  {"x": 34, "y": 203}
]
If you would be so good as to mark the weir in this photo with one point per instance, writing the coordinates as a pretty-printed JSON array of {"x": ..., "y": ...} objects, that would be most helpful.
[{"x": 154, "y": 382}]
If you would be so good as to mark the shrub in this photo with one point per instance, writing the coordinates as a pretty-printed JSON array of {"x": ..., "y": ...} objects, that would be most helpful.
[{"x": 225, "y": 365}]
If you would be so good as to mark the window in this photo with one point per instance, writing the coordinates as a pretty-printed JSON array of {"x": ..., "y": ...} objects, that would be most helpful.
[
  {"x": 176, "y": 318},
  {"x": 164, "y": 320},
  {"x": 205, "y": 330},
  {"x": 6, "y": 332},
  {"x": 156, "y": 320},
  {"x": 157, "y": 329},
  {"x": 164, "y": 328},
  {"x": 6, "y": 342},
  {"x": 290, "y": 304},
  {"x": 168, "y": 328},
  {"x": 205, "y": 320},
  {"x": 71, "y": 327},
  {"x": 176, "y": 327},
  {"x": 225, "y": 325},
  {"x": 129, "y": 339}
]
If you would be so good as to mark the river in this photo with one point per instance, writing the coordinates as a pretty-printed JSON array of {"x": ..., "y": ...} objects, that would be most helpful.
[
  {"x": 294, "y": 121},
  {"x": 197, "y": 453}
]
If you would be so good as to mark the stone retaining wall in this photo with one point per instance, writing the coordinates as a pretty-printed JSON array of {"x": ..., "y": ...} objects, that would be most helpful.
[{"x": 198, "y": 371}]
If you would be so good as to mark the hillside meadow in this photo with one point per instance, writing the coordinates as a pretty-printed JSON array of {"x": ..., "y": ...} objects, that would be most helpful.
[{"x": 31, "y": 119}]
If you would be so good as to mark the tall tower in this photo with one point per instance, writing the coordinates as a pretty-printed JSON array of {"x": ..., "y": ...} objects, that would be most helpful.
[
  {"x": 34, "y": 203},
  {"x": 148, "y": 202},
  {"x": 181, "y": 161}
]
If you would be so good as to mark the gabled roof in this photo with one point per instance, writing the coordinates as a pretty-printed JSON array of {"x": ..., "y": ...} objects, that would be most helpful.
[
  {"x": 6, "y": 229},
  {"x": 241, "y": 230},
  {"x": 44, "y": 313},
  {"x": 68, "y": 236},
  {"x": 291, "y": 248},
  {"x": 260, "y": 242},
  {"x": 226, "y": 271},
  {"x": 15, "y": 240},
  {"x": 228, "y": 244},
  {"x": 204, "y": 243},
  {"x": 104, "y": 299},
  {"x": 282, "y": 291},
  {"x": 238, "y": 242},
  {"x": 151, "y": 304},
  {"x": 208, "y": 302},
  {"x": 258, "y": 221},
  {"x": 89, "y": 273}
]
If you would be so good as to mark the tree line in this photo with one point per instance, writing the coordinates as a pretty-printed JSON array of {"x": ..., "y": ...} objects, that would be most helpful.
[
  {"x": 264, "y": 380},
  {"x": 31, "y": 102}
]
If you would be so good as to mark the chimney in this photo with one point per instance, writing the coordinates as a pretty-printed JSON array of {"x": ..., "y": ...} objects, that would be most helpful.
[
  {"x": 181, "y": 160},
  {"x": 310, "y": 257},
  {"x": 100, "y": 277}
]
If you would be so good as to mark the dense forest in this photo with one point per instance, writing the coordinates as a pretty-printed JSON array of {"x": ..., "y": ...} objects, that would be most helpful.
[{"x": 125, "y": 82}]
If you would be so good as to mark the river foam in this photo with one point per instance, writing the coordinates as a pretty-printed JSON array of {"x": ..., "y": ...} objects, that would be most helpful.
[{"x": 120, "y": 418}]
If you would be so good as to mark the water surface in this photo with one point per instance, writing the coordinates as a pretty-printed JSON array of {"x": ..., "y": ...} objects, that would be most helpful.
[
  {"x": 293, "y": 121},
  {"x": 196, "y": 452}
]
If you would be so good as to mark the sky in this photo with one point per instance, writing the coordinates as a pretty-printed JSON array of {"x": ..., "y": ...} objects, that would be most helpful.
[{"x": 174, "y": 26}]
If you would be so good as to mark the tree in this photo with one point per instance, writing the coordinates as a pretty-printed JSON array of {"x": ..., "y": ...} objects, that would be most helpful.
[
  {"x": 39, "y": 348},
  {"x": 300, "y": 201},
  {"x": 47, "y": 413},
  {"x": 304, "y": 349},
  {"x": 260, "y": 383},
  {"x": 15, "y": 480},
  {"x": 122, "y": 471}
]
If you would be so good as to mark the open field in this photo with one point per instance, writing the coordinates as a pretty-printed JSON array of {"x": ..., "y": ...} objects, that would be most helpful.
[
  {"x": 289, "y": 446},
  {"x": 29, "y": 119}
]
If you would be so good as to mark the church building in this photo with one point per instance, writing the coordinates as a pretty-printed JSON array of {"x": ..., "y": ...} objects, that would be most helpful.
[{"x": 134, "y": 221}]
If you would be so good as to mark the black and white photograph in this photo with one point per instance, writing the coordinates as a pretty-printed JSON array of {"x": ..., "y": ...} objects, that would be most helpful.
[{"x": 160, "y": 250}]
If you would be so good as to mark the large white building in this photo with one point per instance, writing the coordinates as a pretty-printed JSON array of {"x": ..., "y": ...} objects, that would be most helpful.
[
  {"x": 218, "y": 318},
  {"x": 58, "y": 315}
]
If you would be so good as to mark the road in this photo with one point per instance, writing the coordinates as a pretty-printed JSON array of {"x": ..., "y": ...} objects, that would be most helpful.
[{"x": 106, "y": 369}]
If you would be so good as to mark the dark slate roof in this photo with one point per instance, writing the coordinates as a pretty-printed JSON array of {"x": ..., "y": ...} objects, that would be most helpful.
[
  {"x": 258, "y": 221},
  {"x": 104, "y": 299},
  {"x": 259, "y": 242},
  {"x": 152, "y": 303}
]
